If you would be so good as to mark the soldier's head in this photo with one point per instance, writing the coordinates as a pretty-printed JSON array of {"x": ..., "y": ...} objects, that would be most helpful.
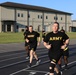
[
  {"x": 30, "y": 28},
  {"x": 62, "y": 30},
  {"x": 55, "y": 27},
  {"x": 26, "y": 28}
]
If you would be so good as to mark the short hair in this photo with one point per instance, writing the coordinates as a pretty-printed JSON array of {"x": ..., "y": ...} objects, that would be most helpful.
[
  {"x": 56, "y": 23},
  {"x": 31, "y": 26},
  {"x": 26, "y": 26}
]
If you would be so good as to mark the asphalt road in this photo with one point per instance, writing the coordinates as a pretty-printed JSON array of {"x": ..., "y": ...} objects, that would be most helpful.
[{"x": 14, "y": 63}]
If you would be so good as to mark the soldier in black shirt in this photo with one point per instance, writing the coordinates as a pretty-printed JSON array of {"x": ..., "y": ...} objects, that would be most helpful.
[
  {"x": 26, "y": 30},
  {"x": 26, "y": 44},
  {"x": 62, "y": 30},
  {"x": 54, "y": 43},
  {"x": 65, "y": 54},
  {"x": 31, "y": 38},
  {"x": 43, "y": 35}
]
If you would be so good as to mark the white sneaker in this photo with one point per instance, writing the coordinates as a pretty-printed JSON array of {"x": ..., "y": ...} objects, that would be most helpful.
[
  {"x": 27, "y": 57},
  {"x": 38, "y": 62},
  {"x": 61, "y": 72}
]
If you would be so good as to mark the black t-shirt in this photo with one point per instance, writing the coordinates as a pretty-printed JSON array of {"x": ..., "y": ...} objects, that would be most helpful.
[
  {"x": 43, "y": 35},
  {"x": 25, "y": 32},
  {"x": 62, "y": 30},
  {"x": 56, "y": 40},
  {"x": 32, "y": 36}
]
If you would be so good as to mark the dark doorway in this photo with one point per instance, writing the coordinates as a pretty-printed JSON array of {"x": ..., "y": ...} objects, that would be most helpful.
[
  {"x": 73, "y": 29},
  {"x": 39, "y": 27},
  {"x": 8, "y": 28},
  {"x": 3, "y": 28}
]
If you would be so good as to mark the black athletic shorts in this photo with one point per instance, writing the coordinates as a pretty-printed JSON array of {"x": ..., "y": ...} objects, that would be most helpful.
[
  {"x": 33, "y": 46},
  {"x": 26, "y": 44},
  {"x": 54, "y": 56},
  {"x": 66, "y": 52}
]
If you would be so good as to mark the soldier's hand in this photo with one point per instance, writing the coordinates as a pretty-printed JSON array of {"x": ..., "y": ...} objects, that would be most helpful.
[
  {"x": 38, "y": 43},
  {"x": 27, "y": 40},
  {"x": 63, "y": 46},
  {"x": 48, "y": 46}
]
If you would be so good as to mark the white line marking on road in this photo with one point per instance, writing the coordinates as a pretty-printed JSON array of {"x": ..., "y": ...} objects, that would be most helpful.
[
  {"x": 32, "y": 73},
  {"x": 70, "y": 63},
  {"x": 19, "y": 53},
  {"x": 20, "y": 57},
  {"x": 37, "y": 71},
  {"x": 35, "y": 65},
  {"x": 27, "y": 68},
  {"x": 47, "y": 73},
  {"x": 11, "y": 54},
  {"x": 20, "y": 62}
]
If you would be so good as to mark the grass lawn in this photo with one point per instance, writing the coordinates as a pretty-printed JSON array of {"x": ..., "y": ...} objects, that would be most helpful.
[
  {"x": 18, "y": 37},
  {"x": 11, "y": 37},
  {"x": 72, "y": 35}
]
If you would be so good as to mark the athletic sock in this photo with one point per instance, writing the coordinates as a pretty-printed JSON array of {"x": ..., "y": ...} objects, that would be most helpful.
[{"x": 38, "y": 59}]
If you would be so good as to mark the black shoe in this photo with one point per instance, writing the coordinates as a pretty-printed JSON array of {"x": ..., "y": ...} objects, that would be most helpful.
[
  {"x": 60, "y": 68},
  {"x": 29, "y": 66},
  {"x": 66, "y": 67}
]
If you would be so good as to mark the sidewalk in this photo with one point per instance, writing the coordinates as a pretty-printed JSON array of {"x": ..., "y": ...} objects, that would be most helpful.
[{"x": 14, "y": 47}]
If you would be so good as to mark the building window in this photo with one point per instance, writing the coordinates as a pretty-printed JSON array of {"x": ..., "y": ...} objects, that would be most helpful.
[
  {"x": 28, "y": 15},
  {"x": 55, "y": 18},
  {"x": 17, "y": 26},
  {"x": 41, "y": 16},
  {"x": 38, "y": 16},
  {"x": 18, "y": 14},
  {"x": 21, "y": 15},
  {"x": 61, "y": 18},
  {"x": 46, "y": 17}
]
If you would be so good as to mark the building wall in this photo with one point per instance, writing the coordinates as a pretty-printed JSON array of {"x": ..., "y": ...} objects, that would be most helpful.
[
  {"x": 0, "y": 27},
  {"x": 48, "y": 20},
  {"x": 69, "y": 23},
  {"x": 0, "y": 13},
  {"x": 21, "y": 19},
  {"x": 7, "y": 13},
  {"x": 61, "y": 20},
  {"x": 21, "y": 12},
  {"x": 73, "y": 26},
  {"x": 74, "y": 23},
  {"x": 0, "y": 20},
  {"x": 50, "y": 17},
  {"x": 35, "y": 19}
]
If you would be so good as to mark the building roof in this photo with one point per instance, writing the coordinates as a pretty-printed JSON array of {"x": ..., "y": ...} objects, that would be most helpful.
[
  {"x": 73, "y": 20},
  {"x": 31, "y": 7}
]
